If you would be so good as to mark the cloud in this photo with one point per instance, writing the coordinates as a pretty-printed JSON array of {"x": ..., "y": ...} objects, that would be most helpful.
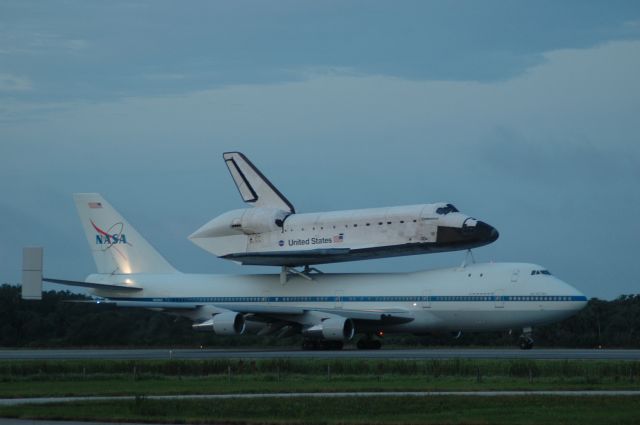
[
  {"x": 21, "y": 43},
  {"x": 94, "y": 51},
  {"x": 11, "y": 83},
  {"x": 546, "y": 150},
  {"x": 165, "y": 76}
]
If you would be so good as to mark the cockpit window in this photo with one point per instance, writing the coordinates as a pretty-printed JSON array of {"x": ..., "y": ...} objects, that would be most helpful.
[
  {"x": 534, "y": 272},
  {"x": 449, "y": 208}
]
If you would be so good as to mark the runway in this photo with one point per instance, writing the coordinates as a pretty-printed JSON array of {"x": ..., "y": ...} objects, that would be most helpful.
[
  {"x": 577, "y": 393},
  {"x": 416, "y": 354}
]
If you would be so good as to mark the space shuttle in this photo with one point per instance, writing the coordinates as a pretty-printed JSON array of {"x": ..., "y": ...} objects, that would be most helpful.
[{"x": 270, "y": 232}]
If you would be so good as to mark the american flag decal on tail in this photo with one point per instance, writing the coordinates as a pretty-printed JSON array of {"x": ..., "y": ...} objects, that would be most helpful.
[
  {"x": 95, "y": 205},
  {"x": 338, "y": 238}
]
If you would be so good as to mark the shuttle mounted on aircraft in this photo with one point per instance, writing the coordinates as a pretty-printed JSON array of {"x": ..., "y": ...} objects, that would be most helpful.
[
  {"x": 271, "y": 233},
  {"x": 328, "y": 311}
]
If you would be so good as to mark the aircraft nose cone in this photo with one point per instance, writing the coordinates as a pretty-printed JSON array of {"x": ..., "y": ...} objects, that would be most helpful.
[
  {"x": 488, "y": 233},
  {"x": 494, "y": 234},
  {"x": 581, "y": 302}
]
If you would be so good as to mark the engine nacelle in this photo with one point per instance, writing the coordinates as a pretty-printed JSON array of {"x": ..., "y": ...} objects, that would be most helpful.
[
  {"x": 226, "y": 323},
  {"x": 332, "y": 329}
]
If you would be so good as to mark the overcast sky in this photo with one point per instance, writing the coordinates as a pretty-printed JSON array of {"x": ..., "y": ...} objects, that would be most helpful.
[{"x": 523, "y": 114}]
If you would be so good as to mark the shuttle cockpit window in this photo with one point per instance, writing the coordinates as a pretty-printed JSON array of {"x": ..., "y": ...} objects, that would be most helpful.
[
  {"x": 535, "y": 272},
  {"x": 449, "y": 208}
]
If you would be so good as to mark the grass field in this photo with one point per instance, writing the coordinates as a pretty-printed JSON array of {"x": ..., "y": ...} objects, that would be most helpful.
[
  {"x": 51, "y": 369},
  {"x": 376, "y": 410},
  {"x": 56, "y": 378},
  {"x": 126, "y": 385},
  {"x": 142, "y": 378}
]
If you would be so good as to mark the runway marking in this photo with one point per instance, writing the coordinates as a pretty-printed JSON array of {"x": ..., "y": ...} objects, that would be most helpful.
[{"x": 564, "y": 393}]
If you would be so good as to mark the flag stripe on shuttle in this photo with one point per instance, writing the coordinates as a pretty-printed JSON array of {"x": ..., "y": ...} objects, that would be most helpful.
[{"x": 95, "y": 205}]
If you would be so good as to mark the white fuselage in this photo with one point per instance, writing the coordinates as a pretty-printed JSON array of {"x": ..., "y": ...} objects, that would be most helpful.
[
  {"x": 477, "y": 297},
  {"x": 269, "y": 236}
]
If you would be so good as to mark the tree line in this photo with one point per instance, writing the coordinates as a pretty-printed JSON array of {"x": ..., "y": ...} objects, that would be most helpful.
[{"x": 59, "y": 321}]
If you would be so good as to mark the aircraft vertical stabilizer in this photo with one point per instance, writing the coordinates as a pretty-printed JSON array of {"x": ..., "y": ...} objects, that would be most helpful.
[{"x": 116, "y": 246}]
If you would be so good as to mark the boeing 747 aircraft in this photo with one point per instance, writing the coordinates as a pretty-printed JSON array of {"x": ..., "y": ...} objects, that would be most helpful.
[
  {"x": 272, "y": 233},
  {"x": 329, "y": 310}
]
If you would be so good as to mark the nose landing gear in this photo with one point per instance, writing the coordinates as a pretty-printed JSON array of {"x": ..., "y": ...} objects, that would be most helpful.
[{"x": 525, "y": 342}]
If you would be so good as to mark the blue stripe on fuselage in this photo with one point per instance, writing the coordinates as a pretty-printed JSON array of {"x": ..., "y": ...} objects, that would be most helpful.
[{"x": 360, "y": 298}]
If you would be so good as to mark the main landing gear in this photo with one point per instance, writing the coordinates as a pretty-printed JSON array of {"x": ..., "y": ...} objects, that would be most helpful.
[
  {"x": 369, "y": 343},
  {"x": 321, "y": 344},
  {"x": 525, "y": 342}
]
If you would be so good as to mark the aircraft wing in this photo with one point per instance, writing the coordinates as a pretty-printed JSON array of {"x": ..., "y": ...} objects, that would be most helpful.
[
  {"x": 255, "y": 189},
  {"x": 268, "y": 312},
  {"x": 395, "y": 316}
]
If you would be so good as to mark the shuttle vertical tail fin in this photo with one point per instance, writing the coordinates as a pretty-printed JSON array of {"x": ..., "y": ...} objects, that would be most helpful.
[
  {"x": 254, "y": 187},
  {"x": 116, "y": 246}
]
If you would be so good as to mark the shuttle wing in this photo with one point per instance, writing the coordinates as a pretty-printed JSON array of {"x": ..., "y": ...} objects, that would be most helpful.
[
  {"x": 255, "y": 189},
  {"x": 291, "y": 258}
]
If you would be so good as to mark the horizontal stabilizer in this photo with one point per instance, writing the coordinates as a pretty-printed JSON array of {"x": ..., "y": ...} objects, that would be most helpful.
[
  {"x": 255, "y": 189},
  {"x": 93, "y": 285},
  {"x": 143, "y": 304}
]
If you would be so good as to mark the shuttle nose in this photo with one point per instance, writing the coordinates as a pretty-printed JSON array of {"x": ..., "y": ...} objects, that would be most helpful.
[
  {"x": 471, "y": 233},
  {"x": 486, "y": 232}
]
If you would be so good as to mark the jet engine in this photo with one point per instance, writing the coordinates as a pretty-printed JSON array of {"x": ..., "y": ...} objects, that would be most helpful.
[
  {"x": 332, "y": 329},
  {"x": 226, "y": 323}
]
